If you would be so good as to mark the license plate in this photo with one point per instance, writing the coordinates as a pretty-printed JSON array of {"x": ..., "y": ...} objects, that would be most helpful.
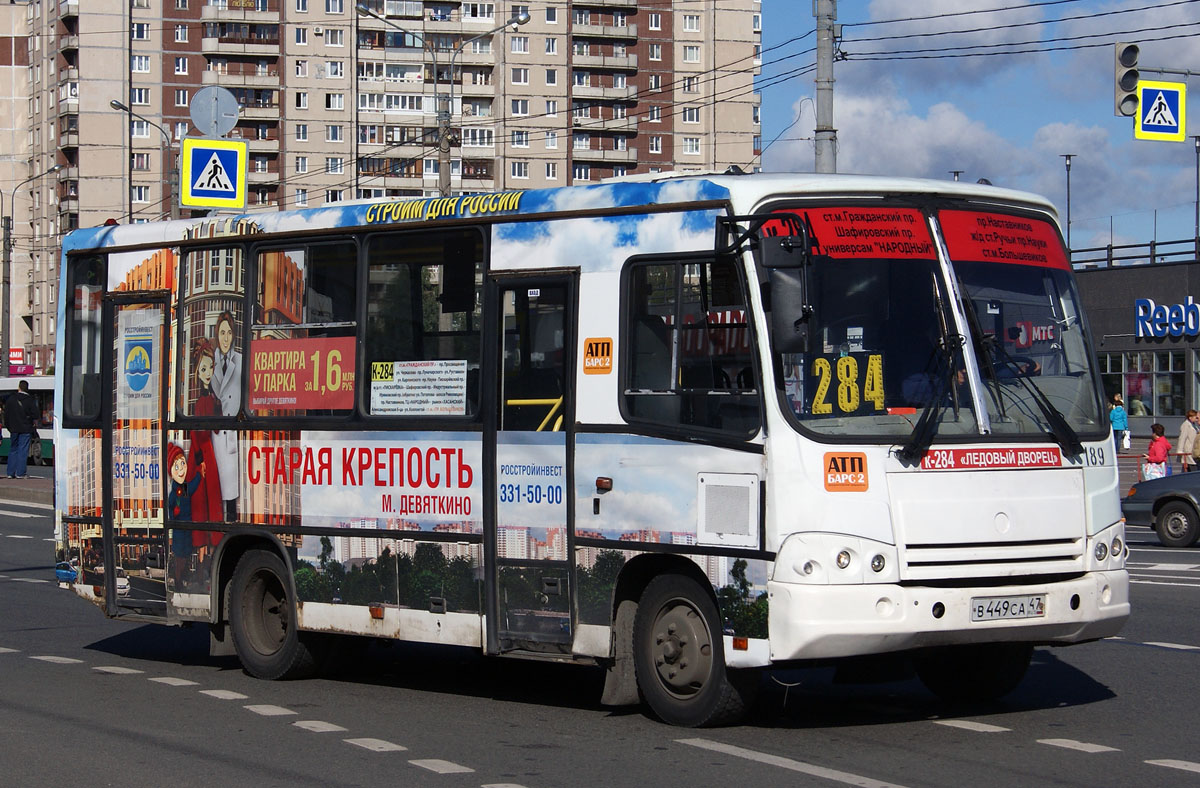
[{"x": 995, "y": 608}]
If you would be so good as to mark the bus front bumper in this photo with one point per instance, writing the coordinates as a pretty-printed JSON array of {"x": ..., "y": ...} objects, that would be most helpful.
[{"x": 827, "y": 621}]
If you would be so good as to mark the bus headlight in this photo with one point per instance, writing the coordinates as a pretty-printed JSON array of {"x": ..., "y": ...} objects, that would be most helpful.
[
  {"x": 1101, "y": 551},
  {"x": 843, "y": 559},
  {"x": 828, "y": 559},
  {"x": 1117, "y": 546},
  {"x": 1107, "y": 550},
  {"x": 878, "y": 562}
]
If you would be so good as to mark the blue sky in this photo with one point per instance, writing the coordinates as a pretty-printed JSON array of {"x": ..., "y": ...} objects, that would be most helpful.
[{"x": 1007, "y": 118}]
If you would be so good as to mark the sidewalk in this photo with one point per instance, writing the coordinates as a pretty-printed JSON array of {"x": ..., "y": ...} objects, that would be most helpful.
[{"x": 33, "y": 489}]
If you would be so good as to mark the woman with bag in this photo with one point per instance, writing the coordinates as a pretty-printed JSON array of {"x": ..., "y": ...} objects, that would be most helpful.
[
  {"x": 1154, "y": 461},
  {"x": 1120, "y": 421}
]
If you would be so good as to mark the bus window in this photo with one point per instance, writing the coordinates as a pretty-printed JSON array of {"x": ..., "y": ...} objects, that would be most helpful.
[
  {"x": 423, "y": 323},
  {"x": 690, "y": 360},
  {"x": 85, "y": 288},
  {"x": 302, "y": 347},
  {"x": 210, "y": 317}
]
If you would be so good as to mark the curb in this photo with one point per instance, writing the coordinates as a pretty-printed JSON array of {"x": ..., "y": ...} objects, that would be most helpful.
[{"x": 27, "y": 491}]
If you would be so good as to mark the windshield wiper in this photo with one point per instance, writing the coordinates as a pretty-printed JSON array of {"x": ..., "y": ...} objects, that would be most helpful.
[
  {"x": 1062, "y": 432},
  {"x": 913, "y": 451}
]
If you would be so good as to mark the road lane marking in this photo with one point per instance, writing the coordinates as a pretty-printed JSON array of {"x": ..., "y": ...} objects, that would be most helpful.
[
  {"x": 1081, "y": 746},
  {"x": 116, "y": 670},
  {"x": 502, "y": 785},
  {"x": 968, "y": 725},
  {"x": 317, "y": 726},
  {"x": 441, "y": 767},
  {"x": 788, "y": 763},
  {"x": 30, "y": 505},
  {"x": 29, "y": 580},
  {"x": 171, "y": 681},
  {"x": 268, "y": 710},
  {"x": 4, "y": 650},
  {"x": 59, "y": 660},
  {"x": 1164, "y": 567},
  {"x": 224, "y": 694},
  {"x": 1187, "y": 766},
  {"x": 12, "y": 513},
  {"x": 376, "y": 745},
  {"x": 18, "y": 536},
  {"x": 1176, "y": 646}
]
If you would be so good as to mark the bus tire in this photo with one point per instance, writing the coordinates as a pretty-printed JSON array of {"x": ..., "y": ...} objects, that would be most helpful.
[
  {"x": 679, "y": 656},
  {"x": 974, "y": 673},
  {"x": 1177, "y": 525},
  {"x": 262, "y": 618}
]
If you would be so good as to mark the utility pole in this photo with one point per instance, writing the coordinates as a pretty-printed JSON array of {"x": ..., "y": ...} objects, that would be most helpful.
[{"x": 825, "y": 12}]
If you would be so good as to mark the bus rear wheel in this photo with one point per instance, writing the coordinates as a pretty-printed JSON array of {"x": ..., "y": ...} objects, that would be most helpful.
[
  {"x": 975, "y": 673},
  {"x": 679, "y": 656},
  {"x": 262, "y": 618}
]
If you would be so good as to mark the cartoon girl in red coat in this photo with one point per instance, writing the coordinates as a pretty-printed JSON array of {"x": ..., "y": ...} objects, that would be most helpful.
[{"x": 206, "y": 500}]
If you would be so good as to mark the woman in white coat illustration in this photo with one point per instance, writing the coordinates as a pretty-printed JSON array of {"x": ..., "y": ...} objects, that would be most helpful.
[{"x": 227, "y": 387}]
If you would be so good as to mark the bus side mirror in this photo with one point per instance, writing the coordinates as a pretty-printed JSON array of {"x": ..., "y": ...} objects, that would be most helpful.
[{"x": 787, "y": 265}]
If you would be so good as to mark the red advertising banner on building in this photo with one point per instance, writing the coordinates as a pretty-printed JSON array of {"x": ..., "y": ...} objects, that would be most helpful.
[
  {"x": 310, "y": 373},
  {"x": 1002, "y": 238},
  {"x": 853, "y": 232}
]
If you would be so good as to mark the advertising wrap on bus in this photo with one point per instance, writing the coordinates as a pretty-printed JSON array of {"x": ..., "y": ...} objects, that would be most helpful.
[{"x": 689, "y": 429}]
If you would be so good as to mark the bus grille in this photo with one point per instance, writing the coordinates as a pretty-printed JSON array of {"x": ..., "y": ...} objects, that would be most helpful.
[{"x": 992, "y": 559}]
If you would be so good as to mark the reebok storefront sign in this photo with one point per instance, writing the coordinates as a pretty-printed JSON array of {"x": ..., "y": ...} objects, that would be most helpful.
[{"x": 1162, "y": 320}]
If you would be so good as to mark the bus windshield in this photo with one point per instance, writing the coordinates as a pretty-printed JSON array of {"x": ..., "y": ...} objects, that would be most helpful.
[{"x": 884, "y": 346}]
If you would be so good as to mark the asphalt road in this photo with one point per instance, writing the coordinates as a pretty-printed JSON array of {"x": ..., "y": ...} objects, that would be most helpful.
[{"x": 85, "y": 700}]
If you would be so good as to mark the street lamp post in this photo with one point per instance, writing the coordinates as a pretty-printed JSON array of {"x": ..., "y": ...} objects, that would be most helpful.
[
  {"x": 444, "y": 107},
  {"x": 1196, "y": 139},
  {"x": 6, "y": 221},
  {"x": 1067, "y": 160},
  {"x": 172, "y": 174}
]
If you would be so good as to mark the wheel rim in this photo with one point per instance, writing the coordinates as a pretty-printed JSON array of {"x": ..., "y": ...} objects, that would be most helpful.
[
  {"x": 682, "y": 648},
  {"x": 1175, "y": 525},
  {"x": 266, "y": 613}
]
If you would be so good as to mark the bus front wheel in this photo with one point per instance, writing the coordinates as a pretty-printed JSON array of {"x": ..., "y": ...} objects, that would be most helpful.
[
  {"x": 262, "y": 618},
  {"x": 974, "y": 673},
  {"x": 679, "y": 656}
]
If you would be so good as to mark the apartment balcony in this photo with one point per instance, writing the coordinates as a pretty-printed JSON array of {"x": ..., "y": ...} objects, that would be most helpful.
[
  {"x": 626, "y": 125},
  {"x": 466, "y": 58},
  {"x": 627, "y": 156},
  {"x": 69, "y": 139},
  {"x": 68, "y": 9},
  {"x": 262, "y": 178},
  {"x": 238, "y": 45},
  {"x": 70, "y": 74},
  {"x": 628, "y": 93},
  {"x": 477, "y": 90},
  {"x": 227, "y": 80},
  {"x": 614, "y": 62},
  {"x": 68, "y": 205},
  {"x": 257, "y": 112},
  {"x": 262, "y": 146},
  {"x": 605, "y": 31},
  {"x": 211, "y": 13},
  {"x": 68, "y": 42}
]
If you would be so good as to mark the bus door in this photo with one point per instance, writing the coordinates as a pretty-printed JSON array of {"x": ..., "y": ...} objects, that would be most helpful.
[
  {"x": 528, "y": 515},
  {"x": 135, "y": 549}
]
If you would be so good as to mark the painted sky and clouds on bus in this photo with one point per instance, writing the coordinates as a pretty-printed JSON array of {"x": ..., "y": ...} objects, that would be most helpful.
[{"x": 1004, "y": 117}]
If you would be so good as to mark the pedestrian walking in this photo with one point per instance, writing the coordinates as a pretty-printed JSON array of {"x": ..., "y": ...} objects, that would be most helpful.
[
  {"x": 1187, "y": 440},
  {"x": 21, "y": 419},
  {"x": 1119, "y": 420}
]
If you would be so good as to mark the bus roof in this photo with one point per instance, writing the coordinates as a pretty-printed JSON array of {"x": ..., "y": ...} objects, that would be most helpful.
[
  {"x": 36, "y": 383},
  {"x": 746, "y": 192}
]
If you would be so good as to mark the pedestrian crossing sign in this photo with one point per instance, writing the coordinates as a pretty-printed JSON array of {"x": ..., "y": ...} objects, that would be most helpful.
[
  {"x": 1161, "y": 111},
  {"x": 213, "y": 173}
]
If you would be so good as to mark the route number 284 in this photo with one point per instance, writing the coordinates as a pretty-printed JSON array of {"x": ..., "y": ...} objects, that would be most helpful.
[{"x": 850, "y": 392}]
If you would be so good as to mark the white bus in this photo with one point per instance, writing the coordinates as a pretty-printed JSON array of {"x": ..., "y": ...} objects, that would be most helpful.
[{"x": 686, "y": 428}]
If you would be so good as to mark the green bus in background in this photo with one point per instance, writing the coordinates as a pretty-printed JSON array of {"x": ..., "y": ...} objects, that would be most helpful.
[{"x": 41, "y": 450}]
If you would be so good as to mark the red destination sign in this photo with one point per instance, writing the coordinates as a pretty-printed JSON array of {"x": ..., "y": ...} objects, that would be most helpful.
[
  {"x": 1002, "y": 238},
  {"x": 853, "y": 232},
  {"x": 976, "y": 459}
]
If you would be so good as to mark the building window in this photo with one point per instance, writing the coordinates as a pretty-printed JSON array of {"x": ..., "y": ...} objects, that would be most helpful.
[
  {"x": 551, "y": 76},
  {"x": 334, "y": 69},
  {"x": 691, "y": 84},
  {"x": 654, "y": 21},
  {"x": 581, "y": 140},
  {"x": 654, "y": 82},
  {"x": 551, "y": 140},
  {"x": 335, "y": 101},
  {"x": 334, "y": 195},
  {"x": 335, "y": 37},
  {"x": 181, "y": 34},
  {"x": 181, "y": 97},
  {"x": 691, "y": 114},
  {"x": 756, "y": 23},
  {"x": 302, "y": 68},
  {"x": 654, "y": 114},
  {"x": 551, "y": 170},
  {"x": 755, "y": 114},
  {"x": 519, "y": 45},
  {"x": 656, "y": 144},
  {"x": 481, "y": 11},
  {"x": 1152, "y": 381},
  {"x": 301, "y": 164},
  {"x": 335, "y": 6},
  {"x": 140, "y": 161},
  {"x": 140, "y": 64},
  {"x": 519, "y": 170},
  {"x": 520, "y": 107},
  {"x": 552, "y": 108},
  {"x": 139, "y": 128},
  {"x": 582, "y": 48},
  {"x": 656, "y": 51},
  {"x": 619, "y": 81},
  {"x": 691, "y": 146},
  {"x": 552, "y": 16},
  {"x": 335, "y": 165},
  {"x": 551, "y": 46},
  {"x": 520, "y": 76},
  {"x": 181, "y": 5},
  {"x": 620, "y": 19},
  {"x": 140, "y": 193},
  {"x": 141, "y": 31},
  {"x": 333, "y": 133},
  {"x": 583, "y": 16},
  {"x": 582, "y": 172},
  {"x": 302, "y": 36},
  {"x": 691, "y": 23},
  {"x": 181, "y": 65},
  {"x": 301, "y": 99},
  {"x": 691, "y": 53},
  {"x": 520, "y": 139},
  {"x": 301, "y": 196},
  {"x": 139, "y": 95},
  {"x": 301, "y": 132}
]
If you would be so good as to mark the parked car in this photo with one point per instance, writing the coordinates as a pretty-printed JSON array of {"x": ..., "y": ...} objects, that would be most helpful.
[
  {"x": 64, "y": 572},
  {"x": 122, "y": 579},
  {"x": 1171, "y": 506}
]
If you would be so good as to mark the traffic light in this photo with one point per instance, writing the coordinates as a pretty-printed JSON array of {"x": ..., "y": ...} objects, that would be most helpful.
[{"x": 1125, "y": 100}]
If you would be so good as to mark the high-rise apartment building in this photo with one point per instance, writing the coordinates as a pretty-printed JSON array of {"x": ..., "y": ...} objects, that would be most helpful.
[{"x": 341, "y": 103}]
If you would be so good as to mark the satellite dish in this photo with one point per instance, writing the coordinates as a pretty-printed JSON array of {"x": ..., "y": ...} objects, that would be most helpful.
[{"x": 214, "y": 111}]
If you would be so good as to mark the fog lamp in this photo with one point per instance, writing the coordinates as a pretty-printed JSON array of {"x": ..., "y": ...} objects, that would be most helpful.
[
  {"x": 877, "y": 563},
  {"x": 843, "y": 559},
  {"x": 1117, "y": 546}
]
